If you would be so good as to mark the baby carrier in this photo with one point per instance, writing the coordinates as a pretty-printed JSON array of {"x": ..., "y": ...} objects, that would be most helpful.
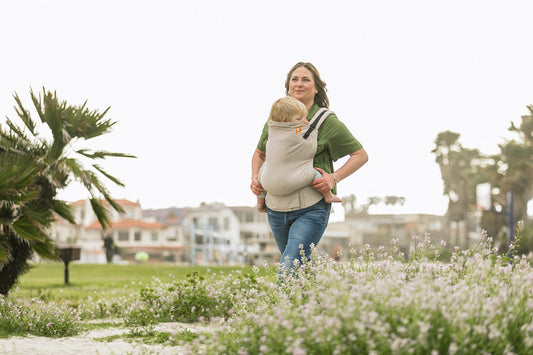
[{"x": 288, "y": 170}]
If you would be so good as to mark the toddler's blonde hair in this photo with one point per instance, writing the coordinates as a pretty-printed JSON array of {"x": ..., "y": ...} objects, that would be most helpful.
[{"x": 286, "y": 108}]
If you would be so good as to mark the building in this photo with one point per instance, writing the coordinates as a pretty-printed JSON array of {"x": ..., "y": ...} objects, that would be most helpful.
[
  {"x": 212, "y": 235},
  {"x": 130, "y": 231},
  {"x": 216, "y": 234},
  {"x": 378, "y": 230},
  {"x": 256, "y": 237}
]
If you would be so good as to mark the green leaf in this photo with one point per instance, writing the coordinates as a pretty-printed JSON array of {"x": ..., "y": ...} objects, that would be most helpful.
[
  {"x": 100, "y": 212},
  {"x": 64, "y": 210},
  {"x": 110, "y": 177},
  {"x": 24, "y": 115},
  {"x": 28, "y": 231}
]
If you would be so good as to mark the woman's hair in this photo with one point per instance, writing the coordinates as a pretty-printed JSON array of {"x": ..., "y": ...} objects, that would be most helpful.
[
  {"x": 321, "y": 98},
  {"x": 287, "y": 107}
]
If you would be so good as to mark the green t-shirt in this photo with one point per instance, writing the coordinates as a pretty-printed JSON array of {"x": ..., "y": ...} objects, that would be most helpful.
[{"x": 334, "y": 141}]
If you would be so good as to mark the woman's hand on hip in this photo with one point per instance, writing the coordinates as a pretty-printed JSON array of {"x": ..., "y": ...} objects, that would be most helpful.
[{"x": 325, "y": 183}]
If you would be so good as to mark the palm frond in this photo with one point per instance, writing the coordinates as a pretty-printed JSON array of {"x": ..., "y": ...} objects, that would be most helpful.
[
  {"x": 27, "y": 230},
  {"x": 45, "y": 248},
  {"x": 24, "y": 115},
  {"x": 100, "y": 212},
  {"x": 86, "y": 177},
  {"x": 102, "y": 154},
  {"x": 15, "y": 129},
  {"x": 17, "y": 172},
  {"x": 37, "y": 104},
  {"x": 107, "y": 175},
  {"x": 113, "y": 204},
  {"x": 39, "y": 217},
  {"x": 100, "y": 187},
  {"x": 63, "y": 210}
]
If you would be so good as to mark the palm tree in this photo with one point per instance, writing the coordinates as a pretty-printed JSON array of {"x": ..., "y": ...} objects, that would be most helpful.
[{"x": 34, "y": 168}]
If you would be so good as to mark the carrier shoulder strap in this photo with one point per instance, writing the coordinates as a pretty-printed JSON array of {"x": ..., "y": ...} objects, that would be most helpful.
[{"x": 315, "y": 120}]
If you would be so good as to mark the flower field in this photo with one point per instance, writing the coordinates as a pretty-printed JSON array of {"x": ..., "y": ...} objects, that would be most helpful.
[{"x": 374, "y": 303}]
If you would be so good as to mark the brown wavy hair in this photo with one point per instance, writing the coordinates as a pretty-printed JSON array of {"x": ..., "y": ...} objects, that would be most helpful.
[{"x": 321, "y": 98}]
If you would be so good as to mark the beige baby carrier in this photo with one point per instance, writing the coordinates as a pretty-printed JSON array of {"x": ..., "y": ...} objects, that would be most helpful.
[{"x": 288, "y": 170}]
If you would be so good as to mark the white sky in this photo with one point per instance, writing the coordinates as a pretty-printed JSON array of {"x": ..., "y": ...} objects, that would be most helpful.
[{"x": 191, "y": 82}]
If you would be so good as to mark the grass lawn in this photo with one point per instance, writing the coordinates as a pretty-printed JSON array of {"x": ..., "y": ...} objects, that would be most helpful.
[{"x": 100, "y": 281}]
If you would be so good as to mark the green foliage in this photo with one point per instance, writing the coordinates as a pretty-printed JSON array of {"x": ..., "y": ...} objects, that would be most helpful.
[
  {"x": 191, "y": 300},
  {"x": 459, "y": 173},
  {"x": 375, "y": 304},
  {"x": 35, "y": 167},
  {"x": 20, "y": 317},
  {"x": 477, "y": 302},
  {"x": 511, "y": 170}
]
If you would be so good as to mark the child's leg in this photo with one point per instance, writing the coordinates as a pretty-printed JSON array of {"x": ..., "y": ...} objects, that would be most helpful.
[
  {"x": 261, "y": 206},
  {"x": 328, "y": 197}
]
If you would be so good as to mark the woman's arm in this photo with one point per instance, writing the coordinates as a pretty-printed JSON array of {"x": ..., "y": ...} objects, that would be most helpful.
[
  {"x": 328, "y": 181},
  {"x": 257, "y": 161}
]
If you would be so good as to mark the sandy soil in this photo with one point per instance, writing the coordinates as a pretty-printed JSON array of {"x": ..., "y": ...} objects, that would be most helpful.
[{"x": 85, "y": 343}]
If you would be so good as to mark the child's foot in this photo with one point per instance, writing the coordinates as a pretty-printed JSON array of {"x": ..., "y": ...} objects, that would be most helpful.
[
  {"x": 331, "y": 198},
  {"x": 261, "y": 206}
]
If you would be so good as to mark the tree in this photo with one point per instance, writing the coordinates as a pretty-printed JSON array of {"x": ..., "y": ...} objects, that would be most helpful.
[
  {"x": 34, "y": 168},
  {"x": 512, "y": 171},
  {"x": 17, "y": 217},
  {"x": 459, "y": 167},
  {"x": 351, "y": 209},
  {"x": 509, "y": 171},
  {"x": 516, "y": 161}
]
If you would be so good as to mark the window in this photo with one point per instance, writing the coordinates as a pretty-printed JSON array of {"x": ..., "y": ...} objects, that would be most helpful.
[
  {"x": 213, "y": 222},
  {"x": 226, "y": 223},
  {"x": 137, "y": 236},
  {"x": 123, "y": 236},
  {"x": 249, "y": 217},
  {"x": 246, "y": 235},
  {"x": 154, "y": 237},
  {"x": 435, "y": 225}
]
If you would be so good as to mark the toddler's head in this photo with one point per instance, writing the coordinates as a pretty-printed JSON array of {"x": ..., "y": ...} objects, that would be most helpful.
[{"x": 287, "y": 109}]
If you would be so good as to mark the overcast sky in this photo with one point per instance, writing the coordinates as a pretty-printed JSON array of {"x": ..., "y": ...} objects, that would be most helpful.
[{"x": 191, "y": 83}]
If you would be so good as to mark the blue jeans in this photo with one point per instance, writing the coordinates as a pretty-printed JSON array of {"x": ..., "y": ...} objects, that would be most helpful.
[{"x": 303, "y": 227}]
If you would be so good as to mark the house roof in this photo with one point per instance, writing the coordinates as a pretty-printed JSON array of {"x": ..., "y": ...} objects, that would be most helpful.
[
  {"x": 167, "y": 216},
  {"x": 126, "y": 224},
  {"x": 121, "y": 202}
]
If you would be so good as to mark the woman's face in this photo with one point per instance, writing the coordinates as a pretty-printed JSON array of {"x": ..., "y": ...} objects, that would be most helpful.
[{"x": 302, "y": 86}]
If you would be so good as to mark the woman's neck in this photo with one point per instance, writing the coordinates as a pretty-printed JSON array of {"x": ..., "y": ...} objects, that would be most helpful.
[{"x": 308, "y": 104}]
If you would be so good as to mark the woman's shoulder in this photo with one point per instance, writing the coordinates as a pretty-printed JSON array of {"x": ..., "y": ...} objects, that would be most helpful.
[
  {"x": 332, "y": 126},
  {"x": 330, "y": 119}
]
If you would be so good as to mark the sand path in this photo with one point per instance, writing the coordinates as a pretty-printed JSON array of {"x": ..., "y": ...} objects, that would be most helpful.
[{"x": 88, "y": 343}]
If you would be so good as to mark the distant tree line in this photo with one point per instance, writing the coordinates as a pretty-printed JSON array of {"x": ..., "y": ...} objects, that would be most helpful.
[
  {"x": 510, "y": 170},
  {"x": 349, "y": 203}
]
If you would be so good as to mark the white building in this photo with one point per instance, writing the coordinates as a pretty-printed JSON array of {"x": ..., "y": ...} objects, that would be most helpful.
[
  {"x": 131, "y": 232},
  {"x": 256, "y": 236},
  {"x": 212, "y": 233}
]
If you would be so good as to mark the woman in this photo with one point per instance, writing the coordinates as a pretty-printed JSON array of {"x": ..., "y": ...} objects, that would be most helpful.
[{"x": 302, "y": 217}]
